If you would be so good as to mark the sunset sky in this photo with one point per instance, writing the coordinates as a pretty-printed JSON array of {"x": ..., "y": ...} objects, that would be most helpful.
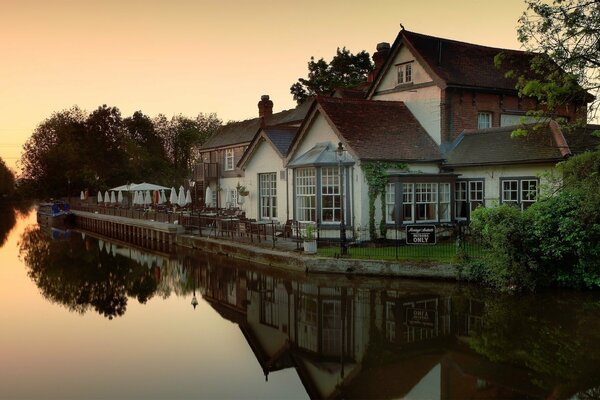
[{"x": 184, "y": 56}]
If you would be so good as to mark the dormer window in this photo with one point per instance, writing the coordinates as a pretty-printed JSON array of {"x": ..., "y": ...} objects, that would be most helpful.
[
  {"x": 229, "y": 160},
  {"x": 405, "y": 73},
  {"x": 484, "y": 120}
]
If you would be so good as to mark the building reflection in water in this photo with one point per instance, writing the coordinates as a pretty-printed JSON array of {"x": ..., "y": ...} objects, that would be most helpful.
[{"x": 364, "y": 337}]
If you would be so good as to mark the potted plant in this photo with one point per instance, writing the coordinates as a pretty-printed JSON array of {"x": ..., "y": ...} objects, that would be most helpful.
[
  {"x": 242, "y": 193},
  {"x": 310, "y": 242}
]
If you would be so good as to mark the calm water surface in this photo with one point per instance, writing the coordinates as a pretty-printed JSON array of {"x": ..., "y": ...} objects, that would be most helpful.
[{"x": 87, "y": 317}]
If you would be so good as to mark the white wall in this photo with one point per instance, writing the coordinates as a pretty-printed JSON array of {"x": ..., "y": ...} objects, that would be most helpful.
[
  {"x": 264, "y": 160},
  {"x": 493, "y": 174},
  {"x": 423, "y": 102}
]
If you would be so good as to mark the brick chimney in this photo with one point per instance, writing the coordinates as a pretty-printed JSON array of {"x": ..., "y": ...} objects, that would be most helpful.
[
  {"x": 265, "y": 107},
  {"x": 379, "y": 58}
]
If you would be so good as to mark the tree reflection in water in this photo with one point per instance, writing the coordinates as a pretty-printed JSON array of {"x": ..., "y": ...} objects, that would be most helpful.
[
  {"x": 7, "y": 221},
  {"x": 350, "y": 338},
  {"x": 75, "y": 273}
]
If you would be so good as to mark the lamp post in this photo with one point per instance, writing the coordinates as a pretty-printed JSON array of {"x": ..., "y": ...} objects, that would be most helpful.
[
  {"x": 193, "y": 186},
  {"x": 340, "y": 154}
]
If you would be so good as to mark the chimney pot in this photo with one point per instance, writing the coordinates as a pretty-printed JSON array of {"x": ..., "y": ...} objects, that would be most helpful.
[
  {"x": 265, "y": 108},
  {"x": 379, "y": 57}
]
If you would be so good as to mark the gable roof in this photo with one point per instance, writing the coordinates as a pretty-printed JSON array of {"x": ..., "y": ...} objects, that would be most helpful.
[
  {"x": 454, "y": 63},
  {"x": 376, "y": 130},
  {"x": 495, "y": 146},
  {"x": 244, "y": 131},
  {"x": 279, "y": 137}
]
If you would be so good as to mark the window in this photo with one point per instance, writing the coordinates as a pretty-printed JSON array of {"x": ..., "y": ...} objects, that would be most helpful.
[
  {"x": 468, "y": 195},
  {"x": 528, "y": 192},
  {"x": 484, "y": 120},
  {"x": 444, "y": 202},
  {"x": 520, "y": 192},
  {"x": 390, "y": 203},
  {"x": 306, "y": 205},
  {"x": 233, "y": 198},
  {"x": 330, "y": 195},
  {"x": 268, "y": 195},
  {"x": 229, "y": 160},
  {"x": 426, "y": 201},
  {"x": 408, "y": 199},
  {"x": 405, "y": 73}
]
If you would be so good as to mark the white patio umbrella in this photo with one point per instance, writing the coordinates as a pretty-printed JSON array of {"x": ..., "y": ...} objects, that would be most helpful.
[
  {"x": 161, "y": 197},
  {"x": 208, "y": 197},
  {"x": 173, "y": 196},
  {"x": 188, "y": 197},
  {"x": 113, "y": 198},
  {"x": 82, "y": 196},
  {"x": 147, "y": 198},
  {"x": 106, "y": 197},
  {"x": 120, "y": 197},
  {"x": 181, "y": 197},
  {"x": 100, "y": 199},
  {"x": 134, "y": 201}
]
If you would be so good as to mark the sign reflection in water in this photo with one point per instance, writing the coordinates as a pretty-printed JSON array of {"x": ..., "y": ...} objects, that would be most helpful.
[{"x": 351, "y": 338}]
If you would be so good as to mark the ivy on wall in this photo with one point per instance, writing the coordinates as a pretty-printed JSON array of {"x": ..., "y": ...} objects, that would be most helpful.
[{"x": 377, "y": 179}]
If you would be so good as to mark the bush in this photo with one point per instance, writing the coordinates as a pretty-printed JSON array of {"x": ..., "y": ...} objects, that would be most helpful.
[{"x": 552, "y": 243}]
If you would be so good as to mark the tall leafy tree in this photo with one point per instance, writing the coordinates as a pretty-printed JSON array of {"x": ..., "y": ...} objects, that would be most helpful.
[
  {"x": 7, "y": 181},
  {"x": 568, "y": 33},
  {"x": 147, "y": 160},
  {"x": 53, "y": 155},
  {"x": 182, "y": 137},
  {"x": 345, "y": 70}
]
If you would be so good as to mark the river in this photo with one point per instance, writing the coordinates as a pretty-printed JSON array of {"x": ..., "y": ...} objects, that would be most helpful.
[{"x": 86, "y": 317}]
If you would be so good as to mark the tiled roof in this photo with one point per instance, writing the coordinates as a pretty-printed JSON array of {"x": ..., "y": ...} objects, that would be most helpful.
[
  {"x": 281, "y": 137},
  {"x": 466, "y": 64},
  {"x": 380, "y": 130},
  {"x": 496, "y": 146},
  {"x": 581, "y": 139},
  {"x": 243, "y": 132}
]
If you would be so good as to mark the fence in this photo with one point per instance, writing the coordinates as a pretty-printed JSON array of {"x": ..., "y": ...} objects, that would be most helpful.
[{"x": 451, "y": 241}]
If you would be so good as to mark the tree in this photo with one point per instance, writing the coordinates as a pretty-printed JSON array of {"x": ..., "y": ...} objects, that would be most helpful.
[
  {"x": 568, "y": 33},
  {"x": 182, "y": 137},
  {"x": 345, "y": 70},
  {"x": 7, "y": 181}
]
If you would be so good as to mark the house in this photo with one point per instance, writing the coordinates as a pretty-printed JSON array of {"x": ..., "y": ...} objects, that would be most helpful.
[
  {"x": 451, "y": 86},
  {"x": 219, "y": 156},
  {"x": 432, "y": 127}
]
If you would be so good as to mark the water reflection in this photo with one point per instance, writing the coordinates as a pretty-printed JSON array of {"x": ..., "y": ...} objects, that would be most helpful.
[
  {"x": 71, "y": 270},
  {"x": 348, "y": 338},
  {"x": 7, "y": 222}
]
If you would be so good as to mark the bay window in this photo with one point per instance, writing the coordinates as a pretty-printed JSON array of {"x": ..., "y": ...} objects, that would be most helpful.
[
  {"x": 330, "y": 195},
  {"x": 390, "y": 203},
  {"x": 306, "y": 202}
]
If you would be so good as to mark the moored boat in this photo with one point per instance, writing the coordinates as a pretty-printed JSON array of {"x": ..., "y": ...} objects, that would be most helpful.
[{"x": 55, "y": 214}]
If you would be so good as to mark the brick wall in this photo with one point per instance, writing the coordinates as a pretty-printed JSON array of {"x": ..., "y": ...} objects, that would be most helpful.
[{"x": 460, "y": 109}]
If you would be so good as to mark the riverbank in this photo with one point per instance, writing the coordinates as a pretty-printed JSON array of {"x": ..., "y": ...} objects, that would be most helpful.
[{"x": 292, "y": 260}]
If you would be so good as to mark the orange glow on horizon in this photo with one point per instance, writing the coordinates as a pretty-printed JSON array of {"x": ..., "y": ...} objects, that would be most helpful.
[{"x": 199, "y": 56}]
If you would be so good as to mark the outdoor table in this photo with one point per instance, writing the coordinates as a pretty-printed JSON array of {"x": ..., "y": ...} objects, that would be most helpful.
[
  {"x": 228, "y": 224},
  {"x": 259, "y": 227}
]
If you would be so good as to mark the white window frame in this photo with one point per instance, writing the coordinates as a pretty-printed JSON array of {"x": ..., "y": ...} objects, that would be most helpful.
[
  {"x": 390, "y": 203},
  {"x": 471, "y": 192},
  {"x": 484, "y": 120},
  {"x": 405, "y": 73},
  {"x": 444, "y": 198},
  {"x": 408, "y": 201},
  {"x": 267, "y": 203},
  {"x": 426, "y": 197},
  {"x": 521, "y": 187},
  {"x": 306, "y": 199},
  {"x": 229, "y": 165},
  {"x": 330, "y": 191}
]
